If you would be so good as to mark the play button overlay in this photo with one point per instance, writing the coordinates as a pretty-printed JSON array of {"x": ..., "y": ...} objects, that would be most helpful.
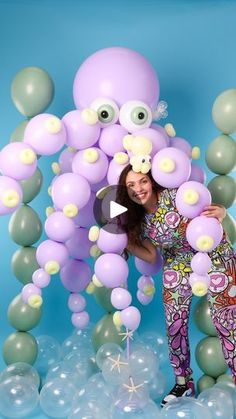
[
  {"x": 116, "y": 209},
  {"x": 107, "y": 209}
]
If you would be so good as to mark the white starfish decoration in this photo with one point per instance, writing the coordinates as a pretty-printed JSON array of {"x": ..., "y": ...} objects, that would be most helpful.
[
  {"x": 127, "y": 335},
  {"x": 132, "y": 388},
  {"x": 117, "y": 363}
]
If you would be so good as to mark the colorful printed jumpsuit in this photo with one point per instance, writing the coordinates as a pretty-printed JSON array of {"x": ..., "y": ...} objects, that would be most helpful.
[{"x": 166, "y": 229}]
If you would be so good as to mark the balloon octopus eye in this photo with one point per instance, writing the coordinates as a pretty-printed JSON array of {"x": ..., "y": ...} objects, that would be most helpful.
[
  {"x": 135, "y": 115},
  {"x": 143, "y": 160},
  {"x": 107, "y": 110}
]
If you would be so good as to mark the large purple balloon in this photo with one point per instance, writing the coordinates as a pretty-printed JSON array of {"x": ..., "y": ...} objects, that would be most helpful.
[
  {"x": 79, "y": 244},
  {"x": 114, "y": 171},
  {"x": 50, "y": 253},
  {"x": 204, "y": 233},
  {"x": 45, "y": 133},
  {"x": 146, "y": 268},
  {"x": 111, "y": 270},
  {"x": 197, "y": 173},
  {"x": 94, "y": 171},
  {"x": 112, "y": 243},
  {"x": 75, "y": 275},
  {"x": 80, "y": 135},
  {"x": 58, "y": 227},
  {"x": 111, "y": 139},
  {"x": 157, "y": 139},
  {"x": 70, "y": 188},
  {"x": 18, "y": 160},
  {"x": 120, "y": 74},
  {"x": 191, "y": 199},
  {"x": 181, "y": 144},
  {"x": 171, "y": 167},
  {"x": 85, "y": 217},
  {"x": 10, "y": 195}
]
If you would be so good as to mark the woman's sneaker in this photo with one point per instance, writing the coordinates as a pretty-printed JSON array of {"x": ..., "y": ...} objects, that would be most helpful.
[{"x": 179, "y": 390}]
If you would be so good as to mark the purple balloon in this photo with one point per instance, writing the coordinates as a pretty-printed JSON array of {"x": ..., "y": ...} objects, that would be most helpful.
[
  {"x": 85, "y": 217},
  {"x": 79, "y": 244},
  {"x": 114, "y": 171},
  {"x": 170, "y": 167},
  {"x": 195, "y": 278},
  {"x": 146, "y": 268},
  {"x": 41, "y": 278},
  {"x": 45, "y": 133},
  {"x": 111, "y": 139},
  {"x": 197, "y": 173},
  {"x": 75, "y": 275},
  {"x": 181, "y": 144},
  {"x": 111, "y": 270},
  {"x": 65, "y": 160},
  {"x": 201, "y": 263},
  {"x": 131, "y": 317},
  {"x": 94, "y": 172},
  {"x": 144, "y": 282},
  {"x": 18, "y": 160},
  {"x": 58, "y": 227},
  {"x": 143, "y": 298},
  {"x": 120, "y": 74},
  {"x": 120, "y": 298},
  {"x": 204, "y": 233},
  {"x": 70, "y": 188},
  {"x": 80, "y": 135},
  {"x": 162, "y": 131},
  {"x": 80, "y": 320},
  {"x": 157, "y": 139},
  {"x": 28, "y": 291},
  {"x": 97, "y": 186},
  {"x": 112, "y": 243},
  {"x": 191, "y": 199},
  {"x": 50, "y": 251},
  {"x": 76, "y": 302},
  {"x": 10, "y": 195}
]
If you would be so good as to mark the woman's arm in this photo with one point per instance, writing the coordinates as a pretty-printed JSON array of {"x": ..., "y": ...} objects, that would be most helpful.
[
  {"x": 146, "y": 251},
  {"x": 215, "y": 210}
]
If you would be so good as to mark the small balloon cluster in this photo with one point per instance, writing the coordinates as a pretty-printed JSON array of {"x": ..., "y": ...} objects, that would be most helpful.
[
  {"x": 221, "y": 157},
  {"x": 76, "y": 382}
]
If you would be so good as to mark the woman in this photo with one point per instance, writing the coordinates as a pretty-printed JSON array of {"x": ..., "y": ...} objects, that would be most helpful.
[{"x": 152, "y": 221}]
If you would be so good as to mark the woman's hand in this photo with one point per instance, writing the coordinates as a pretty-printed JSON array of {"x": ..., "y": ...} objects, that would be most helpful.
[{"x": 215, "y": 210}]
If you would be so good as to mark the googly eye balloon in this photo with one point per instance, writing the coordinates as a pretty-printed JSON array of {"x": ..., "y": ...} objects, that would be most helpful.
[
  {"x": 135, "y": 115},
  {"x": 107, "y": 111}
]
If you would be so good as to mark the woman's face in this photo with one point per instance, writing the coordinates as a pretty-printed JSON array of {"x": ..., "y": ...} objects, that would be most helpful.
[{"x": 139, "y": 188}]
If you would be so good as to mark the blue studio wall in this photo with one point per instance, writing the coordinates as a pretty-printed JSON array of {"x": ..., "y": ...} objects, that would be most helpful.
[{"x": 191, "y": 45}]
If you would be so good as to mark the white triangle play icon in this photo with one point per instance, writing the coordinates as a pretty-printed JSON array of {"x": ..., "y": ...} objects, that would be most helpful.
[{"x": 116, "y": 209}]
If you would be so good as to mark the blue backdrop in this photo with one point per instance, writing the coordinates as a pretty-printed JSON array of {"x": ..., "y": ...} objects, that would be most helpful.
[{"x": 191, "y": 44}]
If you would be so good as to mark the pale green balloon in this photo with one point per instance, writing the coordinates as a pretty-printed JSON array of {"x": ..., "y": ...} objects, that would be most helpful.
[
  {"x": 18, "y": 133},
  {"x": 103, "y": 297},
  {"x": 24, "y": 263},
  {"x": 210, "y": 358},
  {"x": 31, "y": 186},
  {"x": 202, "y": 317},
  {"x": 32, "y": 91},
  {"x": 20, "y": 347},
  {"x": 25, "y": 226},
  {"x": 223, "y": 190},
  {"x": 221, "y": 155},
  {"x": 225, "y": 378},
  {"x": 105, "y": 331},
  {"x": 21, "y": 316},
  {"x": 204, "y": 382},
  {"x": 224, "y": 111},
  {"x": 229, "y": 225}
]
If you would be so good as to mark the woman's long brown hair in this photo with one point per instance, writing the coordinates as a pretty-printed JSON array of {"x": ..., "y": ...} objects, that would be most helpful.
[{"x": 131, "y": 220}]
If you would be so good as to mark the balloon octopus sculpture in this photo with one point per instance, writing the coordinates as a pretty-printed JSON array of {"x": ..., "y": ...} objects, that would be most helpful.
[{"x": 116, "y": 94}]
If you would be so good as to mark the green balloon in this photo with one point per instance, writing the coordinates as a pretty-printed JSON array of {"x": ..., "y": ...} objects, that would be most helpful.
[
  {"x": 224, "y": 111},
  {"x": 221, "y": 155},
  {"x": 21, "y": 316},
  {"x": 202, "y": 317},
  {"x": 204, "y": 382},
  {"x": 31, "y": 186},
  {"x": 223, "y": 190},
  {"x": 229, "y": 225},
  {"x": 225, "y": 378},
  {"x": 25, "y": 227},
  {"x": 210, "y": 358},
  {"x": 32, "y": 91},
  {"x": 20, "y": 347},
  {"x": 105, "y": 331},
  {"x": 18, "y": 133},
  {"x": 24, "y": 263},
  {"x": 103, "y": 297}
]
